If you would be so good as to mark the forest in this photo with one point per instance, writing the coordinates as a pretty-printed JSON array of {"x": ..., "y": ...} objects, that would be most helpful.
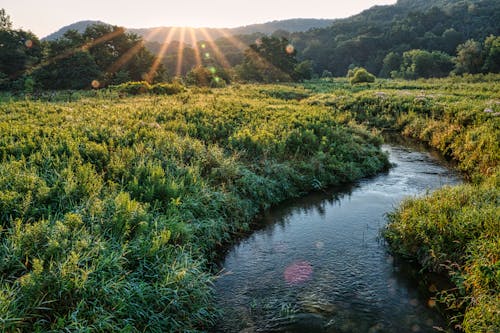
[{"x": 408, "y": 40}]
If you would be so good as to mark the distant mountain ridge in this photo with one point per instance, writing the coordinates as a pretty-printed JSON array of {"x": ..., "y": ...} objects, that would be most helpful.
[
  {"x": 189, "y": 35},
  {"x": 79, "y": 26}
]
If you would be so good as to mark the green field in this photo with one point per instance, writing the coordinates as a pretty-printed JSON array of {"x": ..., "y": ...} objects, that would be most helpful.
[{"x": 113, "y": 207}]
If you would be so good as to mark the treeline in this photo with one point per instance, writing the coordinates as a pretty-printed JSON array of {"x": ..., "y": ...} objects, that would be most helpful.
[
  {"x": 412, "y": 39},
  {"x": 408, "y": 40},
  {"x": 367, "y": 39},
  {"x": 100, "y": 56}
]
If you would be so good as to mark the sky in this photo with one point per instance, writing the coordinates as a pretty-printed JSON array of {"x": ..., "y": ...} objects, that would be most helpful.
[{"x": 44, "y": 17}]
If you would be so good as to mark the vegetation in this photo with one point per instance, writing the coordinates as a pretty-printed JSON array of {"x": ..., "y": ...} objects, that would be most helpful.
[
  {"x": 456, "y": 230},
  {"x": 113, "y": 207},
  {"x": 360, "y": 75}
]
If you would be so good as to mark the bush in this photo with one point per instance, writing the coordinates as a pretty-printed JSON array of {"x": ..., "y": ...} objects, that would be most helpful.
[
  {"x": 142, "y": 87},
  {"x": 167, "y": 88},
  {"x": 360, "y": 75},
  {"x": 133, "y": 88}
]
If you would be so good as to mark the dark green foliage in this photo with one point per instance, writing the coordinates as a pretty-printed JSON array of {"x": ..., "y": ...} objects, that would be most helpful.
[
  {"x": 365, "y": 39},
  {"x": 273, "y": 59},
  {"x": 207, "y": 77},
  {"x": 76, "y": 71},
  {"x": 469, "y": 57},
  {"x": 491, "y": 54},
  {"x": 423, "y": 64}
]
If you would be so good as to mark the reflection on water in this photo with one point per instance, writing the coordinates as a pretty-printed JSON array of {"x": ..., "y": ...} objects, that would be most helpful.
[{"x": 319, "y": 264}]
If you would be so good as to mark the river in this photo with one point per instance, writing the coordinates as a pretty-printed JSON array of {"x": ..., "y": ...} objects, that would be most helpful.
[{"x": 318, "y": 264}]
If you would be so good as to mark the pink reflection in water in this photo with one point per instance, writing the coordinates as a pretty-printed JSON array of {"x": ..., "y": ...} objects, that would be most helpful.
[{"x": 298, "y": 272}]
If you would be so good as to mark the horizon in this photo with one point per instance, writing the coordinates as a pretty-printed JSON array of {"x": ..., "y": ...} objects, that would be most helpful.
[{"x": 45, "y": 18}]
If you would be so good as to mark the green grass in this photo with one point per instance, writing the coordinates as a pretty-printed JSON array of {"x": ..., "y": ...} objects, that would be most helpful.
[
  {"x": 113, "y": 208},
  {"x": 456, "y": 230}
]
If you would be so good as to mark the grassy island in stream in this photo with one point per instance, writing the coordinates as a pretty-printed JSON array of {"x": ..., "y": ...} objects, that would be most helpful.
[{"x": 112, "y": 208}]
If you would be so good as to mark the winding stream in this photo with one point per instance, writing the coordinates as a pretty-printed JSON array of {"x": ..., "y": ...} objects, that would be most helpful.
[{"x": 319, "y": 265}]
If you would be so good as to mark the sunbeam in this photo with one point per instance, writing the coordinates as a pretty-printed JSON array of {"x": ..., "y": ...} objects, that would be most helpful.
[
  {"x": 127, "y": 56},
  {"x": 218, "y": 54},
  {"x": 160, "y": 55},
  {"x": 195, "y": 47},
  {"x": 85, "y": 47},
  {"x": 244, "y": 47},
  {"x": 180, "y": 54}
]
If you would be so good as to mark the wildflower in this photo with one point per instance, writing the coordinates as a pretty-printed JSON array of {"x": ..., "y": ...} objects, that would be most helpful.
[{"x": 487, "y": 110}]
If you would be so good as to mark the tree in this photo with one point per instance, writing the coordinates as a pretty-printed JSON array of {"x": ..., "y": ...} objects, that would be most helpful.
[
  {"x": 360, "y": 75},
  {"x": 492, "y": 54},
  {"x": 19, "y": 52},
  {"x": 5, "y": 22},
  {"x": 270, "y": 59},
  {"x": 392, "y": 62},
  {"x": 469, "y": 58},
  {"x": 424, "y": 64},
  {"x": 76, "y": 71},
  {"x": 303, "y": 70}
]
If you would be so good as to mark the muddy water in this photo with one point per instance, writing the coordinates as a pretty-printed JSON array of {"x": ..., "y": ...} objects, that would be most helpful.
[{"x": 319, "y": 264}]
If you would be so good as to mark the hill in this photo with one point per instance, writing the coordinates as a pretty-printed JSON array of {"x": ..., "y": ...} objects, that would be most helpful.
[
  {"x": 367, "y": 38},
  {"x": 79, "y": 26},
  {"x": 191, "y": 35}
]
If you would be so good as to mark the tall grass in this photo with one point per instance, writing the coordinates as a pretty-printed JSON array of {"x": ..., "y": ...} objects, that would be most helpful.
[
  {"x": 113, "y": 207},
  {"x": 456, "y": 230}
]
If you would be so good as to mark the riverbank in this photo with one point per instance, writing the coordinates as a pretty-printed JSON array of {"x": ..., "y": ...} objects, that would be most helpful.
[
  {"x": 455, "y": 231},
  {"x": 112, "y": 207}
]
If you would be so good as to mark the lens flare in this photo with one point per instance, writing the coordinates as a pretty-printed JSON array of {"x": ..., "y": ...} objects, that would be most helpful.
[
  {"x": 29, "y": 43},
  {"x": 95, "y": 84},
  {"x": 298, "y": 272},
  {"x": 289, "y": 49}
]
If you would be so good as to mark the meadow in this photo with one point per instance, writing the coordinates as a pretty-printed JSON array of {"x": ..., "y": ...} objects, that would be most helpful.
[{"x": 114, "y": 206}]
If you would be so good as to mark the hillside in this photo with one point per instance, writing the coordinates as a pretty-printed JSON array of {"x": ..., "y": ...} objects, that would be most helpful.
[
  {"x": 191, "y": 35},
  {"x": 365, "y": 39},
  {"x": 79, "y": 26}
]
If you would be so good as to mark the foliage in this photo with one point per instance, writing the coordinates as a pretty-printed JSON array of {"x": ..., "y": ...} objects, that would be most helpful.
[
  {"x": 492, "y": 54},
  {"x": 110, "y": 212},
  {"x": 273, "y": 59},
  {"x": 103, "y": 53},
  {"x": 360, "y": 75},
  {"x": 143, "y": 87},
  {"x": 207, "y": 77},
  {"x": 455, "y": 230},
  {"x": 469, "y": 57},
  {"x": 423, "y": 64},
  {"x": 365, "y": 39}
]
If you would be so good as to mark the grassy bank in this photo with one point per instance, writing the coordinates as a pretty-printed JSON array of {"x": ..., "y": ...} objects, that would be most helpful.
[
  {"x": 456, "y": 230},
  {"x": 111, "y": 208}
]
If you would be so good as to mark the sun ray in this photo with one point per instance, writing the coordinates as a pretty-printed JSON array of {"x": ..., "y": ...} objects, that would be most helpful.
[
  {"x": 127, "y": 56},
  {"x": 85, "y": 47},
  {"x": 180, "y": 54},
  {"x": 161, "y": 54},
  {"x": 218, "y": 54},
  {"x": 195, "y": 47},
  {"x": 244, "y": 47}
]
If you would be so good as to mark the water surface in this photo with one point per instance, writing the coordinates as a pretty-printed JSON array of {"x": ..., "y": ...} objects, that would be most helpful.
[{"x": 319, "y": 265}]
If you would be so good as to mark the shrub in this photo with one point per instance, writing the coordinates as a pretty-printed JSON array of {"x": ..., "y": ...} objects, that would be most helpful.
[
  {"x": 167, "y": 88},
  {"x": 360, "y": 75}
]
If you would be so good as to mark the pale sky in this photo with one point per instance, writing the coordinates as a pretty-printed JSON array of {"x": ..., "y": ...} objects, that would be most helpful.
[{"x": 45, "y": 17}]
